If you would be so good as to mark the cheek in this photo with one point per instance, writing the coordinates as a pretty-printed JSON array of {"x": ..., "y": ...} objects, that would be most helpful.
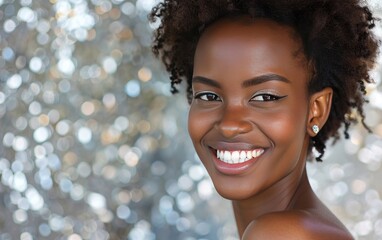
[
  {"x": 198, "y": 124},
  {"x": 287, "y": 129}
]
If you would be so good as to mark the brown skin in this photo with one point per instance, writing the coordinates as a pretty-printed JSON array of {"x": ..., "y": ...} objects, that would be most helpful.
[{"x": 272, "y": 199}]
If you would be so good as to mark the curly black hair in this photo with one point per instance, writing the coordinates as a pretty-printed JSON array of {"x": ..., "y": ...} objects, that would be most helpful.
[{"x": 336, "y": 37}]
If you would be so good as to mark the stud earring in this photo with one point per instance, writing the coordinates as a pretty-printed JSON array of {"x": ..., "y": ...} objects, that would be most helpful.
[{"x": 315, "y": 128}]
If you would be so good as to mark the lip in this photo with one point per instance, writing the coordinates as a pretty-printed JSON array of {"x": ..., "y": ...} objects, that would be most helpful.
[{"x": 236, "y": 168}]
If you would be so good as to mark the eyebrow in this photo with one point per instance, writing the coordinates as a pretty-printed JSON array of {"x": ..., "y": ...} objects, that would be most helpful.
[{"x": 247, "y": 83}]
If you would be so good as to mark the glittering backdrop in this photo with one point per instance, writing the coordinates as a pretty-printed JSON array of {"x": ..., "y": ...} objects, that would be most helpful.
[{"x": 93, "y": 146}]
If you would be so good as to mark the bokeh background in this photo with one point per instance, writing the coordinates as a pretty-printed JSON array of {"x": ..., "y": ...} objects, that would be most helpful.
[{"x": 93, "y": 145}]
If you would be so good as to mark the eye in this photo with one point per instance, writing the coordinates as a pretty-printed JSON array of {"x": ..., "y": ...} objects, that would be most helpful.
[
  {"x": 207, "y": 96},
  {"x": 266, "y": 97}
]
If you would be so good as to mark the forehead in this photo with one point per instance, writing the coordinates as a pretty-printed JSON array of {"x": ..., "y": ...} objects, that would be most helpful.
[{"x": 243, "y": 40}]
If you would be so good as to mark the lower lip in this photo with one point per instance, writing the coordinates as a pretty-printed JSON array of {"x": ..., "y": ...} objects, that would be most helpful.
[{"x": 233, "y": 169}]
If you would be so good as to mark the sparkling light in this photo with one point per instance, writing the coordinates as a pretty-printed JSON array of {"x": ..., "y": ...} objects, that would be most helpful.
[{"x": 94, "y": 146}]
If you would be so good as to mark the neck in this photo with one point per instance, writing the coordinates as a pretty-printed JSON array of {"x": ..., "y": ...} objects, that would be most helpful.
[{"x": 279, "y": 197}]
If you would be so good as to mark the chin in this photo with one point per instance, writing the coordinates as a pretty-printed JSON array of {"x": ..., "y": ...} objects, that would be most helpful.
[{"x": 235, "y": 190}]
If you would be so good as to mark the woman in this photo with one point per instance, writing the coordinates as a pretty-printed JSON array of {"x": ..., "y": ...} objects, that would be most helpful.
[{"x": 267, "y": 82}]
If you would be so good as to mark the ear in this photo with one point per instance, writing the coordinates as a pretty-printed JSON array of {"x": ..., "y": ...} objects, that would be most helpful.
[{"x": 319, "y": 109}]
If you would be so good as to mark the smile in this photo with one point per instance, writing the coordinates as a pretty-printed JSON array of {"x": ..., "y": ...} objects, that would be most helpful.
[{"x": 238, "y": 156}]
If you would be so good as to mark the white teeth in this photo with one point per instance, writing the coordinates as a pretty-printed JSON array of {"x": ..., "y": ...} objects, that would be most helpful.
[
  {"x": 227, "y": 156},
  {"x": 243, "y": 156},
  {"x": 254, "y": 153},
  {"x": 238, "y": 156},
  {"x": 235, "y": 156}
]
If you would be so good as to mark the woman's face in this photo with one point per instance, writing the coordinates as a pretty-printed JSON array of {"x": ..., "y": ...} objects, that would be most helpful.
[{"x": 249, "y": 113}]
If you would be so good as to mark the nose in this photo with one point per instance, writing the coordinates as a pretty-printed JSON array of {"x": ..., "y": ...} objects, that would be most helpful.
[{"x": 233, "y": 122}]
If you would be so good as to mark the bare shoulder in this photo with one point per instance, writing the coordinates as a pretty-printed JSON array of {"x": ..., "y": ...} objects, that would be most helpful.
[{"x": 296, "y": 224}]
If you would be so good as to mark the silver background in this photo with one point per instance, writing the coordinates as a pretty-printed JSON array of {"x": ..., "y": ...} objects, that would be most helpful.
[{"x": 93, "y": 145}]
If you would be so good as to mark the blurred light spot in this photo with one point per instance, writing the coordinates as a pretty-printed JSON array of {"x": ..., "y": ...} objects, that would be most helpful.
[
  {"x": 158, "y": 168},
  {"x": 20, "y": 144},
  {"x": 20, "y": 216},
  {"x": 372, "y": 197},
  {"x": 336, "y": 173},
  {"x": 44, "y": 229},
  {"x": 109, "y": 100},
  {"x": 62, "y": 127},
  {"x": 43, "y": 26},
  {"x": 96, "y": 201},
  {"x": 185, "y": 183},
  {"x": 66, "y": 66},
  {"x": 8, "y": 139},
  {"x": 123, "y": 212},
  {"x": 184, "y": 202},
  {"x": 339, "y": 189},
  {"x": 49, "y": 97},
  {"x": 358, "y": 186},
  {"x": 183, "y": 224},
  {"x": 41, "y": 134},
  {"x": 9, "y": 25},
  {"x": 54, "y": 115},
  {"x": 83, "y": 169},
  {"x": 2, "y": 97},
  {"x": 121, "y": 123},
  {"x": 65, "y": 185},
  {"x": 43, "y": 38},
  {"x": 146, "y": 5},
  {"x": 77, "y": 192},
  {"x": 19, "y": 182},
  {"x": 205, "y": 189},
  {"x": 132, "y": 88},
  {"x": 43, "y": 119},
  {"x": 39, "y": 151},
  {"x": 35, "y": 199},
  {"x": 144, "y": 74},
  {"x": 64, "y": 86},
  {"x": 56, "y": 223},
  {"x": 81, "y": 34},
  {"x": 7, "y": 54},
  {"x": 26, "y": 14},
  {"x": 109, "y": 65},
  {"x": 109, "y": 172},
  {"x": 17, "y": 166},
  {"x": 35, "y": 108},
  {"x": 131, "y": 159},
  {"x": 75, "y": 237},
  {"x": 128, "y": 8},
  {"x": 141, "y": 231},
  {"x": 35, "y": 64},
  {"x": 26, "y": 236},
  {"x": 87, "y": 108},
  {"x": 196, "y": 172},
  {"x": 54, "y": 162},
  {"x": 84, "y": 135},
  {"x": 172, "y": 217},
  {"x": 123, "y": 197},
  {"x": 363, "y": 228},
  {"x": 14, "y": 81}
]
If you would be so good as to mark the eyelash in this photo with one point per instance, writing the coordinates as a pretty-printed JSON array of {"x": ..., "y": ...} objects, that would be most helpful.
[
  {"x": 270, "y": 97},
  {"x": 206, "y": 94}
]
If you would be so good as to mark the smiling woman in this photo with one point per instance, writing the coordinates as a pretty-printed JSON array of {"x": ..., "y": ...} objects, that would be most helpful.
[{"x": 267, "y": 82}]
